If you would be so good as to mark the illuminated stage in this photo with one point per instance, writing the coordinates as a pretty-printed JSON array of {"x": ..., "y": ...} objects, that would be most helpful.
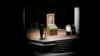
[
  {"x": 52, "y": 43},
  {"x": 35, "y": 35}
]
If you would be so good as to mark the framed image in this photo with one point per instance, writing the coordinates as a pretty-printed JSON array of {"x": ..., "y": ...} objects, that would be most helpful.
[{"x": 50, "y": 19}]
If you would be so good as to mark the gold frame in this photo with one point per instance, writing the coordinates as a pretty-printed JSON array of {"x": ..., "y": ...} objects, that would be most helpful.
[{"x": 50, "y": 18}]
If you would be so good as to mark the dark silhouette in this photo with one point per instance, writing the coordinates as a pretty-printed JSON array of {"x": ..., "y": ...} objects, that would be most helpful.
[
  {"x": 41, "y": 31},
  {"x": 73, "y": 30}
]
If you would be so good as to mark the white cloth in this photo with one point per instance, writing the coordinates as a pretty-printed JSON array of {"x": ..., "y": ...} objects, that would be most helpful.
[{"x": 68, "y": 28}]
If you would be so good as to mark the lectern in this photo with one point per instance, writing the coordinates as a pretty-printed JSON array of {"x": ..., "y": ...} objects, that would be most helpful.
[{"x": 51, "y": 27}]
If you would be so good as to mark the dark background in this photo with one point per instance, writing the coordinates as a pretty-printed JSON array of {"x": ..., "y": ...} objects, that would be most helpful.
[
  {"x": 62, "y": 15},
  {"x": 35, "y": 11},
  {"x": 14, "y": 39}
]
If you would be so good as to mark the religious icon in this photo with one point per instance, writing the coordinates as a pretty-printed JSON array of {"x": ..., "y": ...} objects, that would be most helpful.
[{"x": 50, "y": 19}]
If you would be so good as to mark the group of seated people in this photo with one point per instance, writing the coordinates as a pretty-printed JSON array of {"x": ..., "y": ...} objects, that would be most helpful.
[{"x": 70, "y": 29}]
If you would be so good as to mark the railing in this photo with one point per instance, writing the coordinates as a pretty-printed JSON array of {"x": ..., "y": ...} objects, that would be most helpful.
[{"x": 36, "y": 26}]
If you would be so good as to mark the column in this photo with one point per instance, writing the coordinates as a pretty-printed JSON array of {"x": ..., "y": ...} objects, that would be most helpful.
[{"x": 76, "y": 18}]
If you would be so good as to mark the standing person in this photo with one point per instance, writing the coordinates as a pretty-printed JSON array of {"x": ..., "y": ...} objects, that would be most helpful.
[
  {"x": 41, "y": 31},
  {"x": 68, "y": 29},
  {"x": 73, "y": 30}
]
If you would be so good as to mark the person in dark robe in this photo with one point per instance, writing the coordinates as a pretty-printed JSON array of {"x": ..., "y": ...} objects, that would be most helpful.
[
  {"x": 73, "y": 30},
  {"x": 41, "y": 31}
]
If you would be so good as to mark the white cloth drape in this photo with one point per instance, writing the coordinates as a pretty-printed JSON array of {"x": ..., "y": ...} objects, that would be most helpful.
[{"x": 68, "y": 28}]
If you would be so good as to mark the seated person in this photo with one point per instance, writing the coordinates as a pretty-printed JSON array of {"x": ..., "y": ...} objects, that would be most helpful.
[{"x": 68, "y": 29}]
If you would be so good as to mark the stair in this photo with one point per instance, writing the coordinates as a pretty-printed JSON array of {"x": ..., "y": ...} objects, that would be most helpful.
[{"x": 63, "y": 46}]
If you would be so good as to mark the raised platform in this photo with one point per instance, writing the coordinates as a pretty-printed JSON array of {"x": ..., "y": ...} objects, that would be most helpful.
[
  {"x": 34, "y": 37},
  {"x": 52, "y": 43}
]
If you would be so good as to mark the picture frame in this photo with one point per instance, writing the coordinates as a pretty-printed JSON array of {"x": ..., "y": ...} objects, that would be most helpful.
[{"x": 50, "y": 19}]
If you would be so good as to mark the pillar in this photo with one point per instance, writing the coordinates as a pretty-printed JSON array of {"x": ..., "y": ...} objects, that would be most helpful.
[{"x": 76, "y": 18}]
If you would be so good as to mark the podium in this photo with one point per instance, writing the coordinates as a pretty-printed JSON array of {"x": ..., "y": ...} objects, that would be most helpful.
[
  {"x": 52, "y": 32},
  {"x": 52, "y": 29}
]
